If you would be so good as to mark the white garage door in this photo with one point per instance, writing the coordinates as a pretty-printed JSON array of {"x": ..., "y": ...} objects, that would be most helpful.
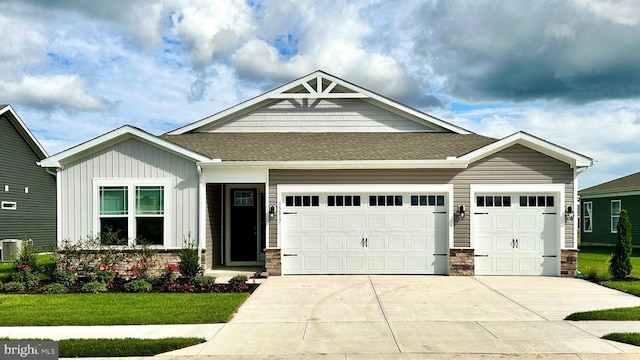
[
  {"x": 516, "y": 234},
  {"x": 364, "y": 233}
]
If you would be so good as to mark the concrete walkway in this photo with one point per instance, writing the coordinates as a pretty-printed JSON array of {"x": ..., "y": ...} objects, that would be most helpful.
[{"x": 398, "y": 317}]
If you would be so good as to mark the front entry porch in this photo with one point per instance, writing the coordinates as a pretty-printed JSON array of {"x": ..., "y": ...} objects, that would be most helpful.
[{"x": 235, "y": 227}]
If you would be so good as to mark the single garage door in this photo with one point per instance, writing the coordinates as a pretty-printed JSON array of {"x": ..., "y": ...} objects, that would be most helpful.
[
  {"x": 516, "y": 234},
  {"x": 364, "y": 233}
]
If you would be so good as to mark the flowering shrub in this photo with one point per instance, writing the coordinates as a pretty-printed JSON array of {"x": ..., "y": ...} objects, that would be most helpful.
[
  {"x": 61, "y": 275},
  {"x": 26, "y": 276},
  {"x": 105, "y": 274},
  {"x": 170, "y": 274}
]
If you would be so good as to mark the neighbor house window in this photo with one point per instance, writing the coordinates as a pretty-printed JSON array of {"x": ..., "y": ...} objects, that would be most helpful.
[
  {"x": 588, "y": 216},
  {"x": 615, "y": 214},
  {"x": 131, "y": 213}
]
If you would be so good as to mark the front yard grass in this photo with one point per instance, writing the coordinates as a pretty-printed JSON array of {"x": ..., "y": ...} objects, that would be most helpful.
[
  {"x": 629, "y": 338},
  {"x": 118, "y": 309},
  {"x": 71, "y": 348},
  {"x": 597, "y": 258},
  {"x": 617, "y": 314}
]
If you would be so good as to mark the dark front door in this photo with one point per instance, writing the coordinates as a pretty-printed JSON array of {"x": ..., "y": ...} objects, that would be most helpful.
[{"x": 244, "y": 225}]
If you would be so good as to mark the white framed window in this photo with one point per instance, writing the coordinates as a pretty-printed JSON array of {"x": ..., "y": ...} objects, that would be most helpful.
[
  {"x": 588, "y": 216},
  {"x": 616, "y": 206},
  {"x": 132, "y": 211}
]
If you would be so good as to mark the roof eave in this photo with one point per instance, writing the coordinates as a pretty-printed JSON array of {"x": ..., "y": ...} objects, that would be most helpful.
[
  {"x": 450, "y": 163},
  {"x": 114, "y": 137}
]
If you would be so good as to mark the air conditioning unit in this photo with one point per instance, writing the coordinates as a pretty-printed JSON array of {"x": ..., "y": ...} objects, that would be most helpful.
[{"x": 10, "y": 249}]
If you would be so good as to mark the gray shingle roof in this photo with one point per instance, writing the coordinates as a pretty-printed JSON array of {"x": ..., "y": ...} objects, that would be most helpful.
[
  {"x": 625, "y": 182},
  {"x": 330, "y": 146}
]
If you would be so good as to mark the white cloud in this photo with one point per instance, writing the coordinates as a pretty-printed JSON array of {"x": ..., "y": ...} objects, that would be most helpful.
[
  {"x": 211, "y": 30},
  {"x": 625, "y": 12},
  {"x": 52, "y": 91}
]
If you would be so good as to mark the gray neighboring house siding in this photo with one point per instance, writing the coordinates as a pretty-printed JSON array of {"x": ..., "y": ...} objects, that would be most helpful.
[
  {"x": 35, "y": 216},
  {"x": 517, "y": 165},
  {"x": 130, "y": 158}
]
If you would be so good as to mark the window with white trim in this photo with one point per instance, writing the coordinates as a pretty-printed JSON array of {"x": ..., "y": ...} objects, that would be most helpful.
[
  {"x": 588, "y": 216},
  {"x": 131, "y": 213},
  {"x": 616, "y": 206}
]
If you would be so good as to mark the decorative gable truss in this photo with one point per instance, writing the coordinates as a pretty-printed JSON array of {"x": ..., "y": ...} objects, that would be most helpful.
[{"x": 358, "y": 109}]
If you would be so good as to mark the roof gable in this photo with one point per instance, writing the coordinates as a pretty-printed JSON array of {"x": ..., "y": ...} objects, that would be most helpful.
[
  {"x": 312, "y": 89},
  {"x": 7, "y": 112},
  {"x": 116, "y": 136},
  {"x": 574, "y": 159}
]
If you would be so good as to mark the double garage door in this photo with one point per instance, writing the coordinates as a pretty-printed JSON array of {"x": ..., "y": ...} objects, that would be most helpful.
[
  {"x": 408, "y": 232},
  {"x": 382, "y": 232},
  {"x": 516, "y": 234}
]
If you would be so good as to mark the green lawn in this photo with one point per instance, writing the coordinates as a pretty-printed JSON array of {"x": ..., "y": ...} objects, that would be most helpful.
[
  {"x": 597, "y": 257},
  {"x": 71, "y": 348},
  {"x": 590, "y": 258},
  {"x": 118, "y": 309},
  {"x": 629, "y": 338}
]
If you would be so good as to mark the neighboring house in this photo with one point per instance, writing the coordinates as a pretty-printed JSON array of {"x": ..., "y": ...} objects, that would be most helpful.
[
  {"x": 321, "y": 176},
  {"x": 601, "y": 205},
  {"x": 27, "y": 191}
]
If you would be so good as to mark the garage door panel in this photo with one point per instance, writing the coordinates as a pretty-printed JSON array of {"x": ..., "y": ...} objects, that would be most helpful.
[
  {"x": 396, "y": 242},
  {"x": 312, "y": 242},
  {"x": 335, "y": 263},
  {"x": 417, "y": 222},
  {"x": 335, "y": 241},
  {"x": 375, "y": 221},
  {"x": 293, "y": 242},
  {"x": 312, "y": 263},
  {"x": 376, "y": 263},
  {"x": 354, "y": 263},
  {"x": 375, "y": 242},
  {"x": 396, "y": 263},
  {"x": 334, "y": 221},
  {"x": 515, "y": 234},
  {"x": 418, "y": 242},
  {"x": 395, "y": 221},
  {"x": 391, "y": 237},
  {"x": 311, "y": 222},
  {"x": 354, "y": 222}
]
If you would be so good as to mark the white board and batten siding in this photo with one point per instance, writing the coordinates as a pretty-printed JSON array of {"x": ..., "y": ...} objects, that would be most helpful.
[
  {"x": 129, "y": 159},
  {"x": 324, "y": 115}
]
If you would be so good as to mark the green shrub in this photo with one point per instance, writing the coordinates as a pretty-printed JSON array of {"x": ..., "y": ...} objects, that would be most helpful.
[
  {"x": 28, "y": 255},
  {"x": 26, "y": 276},
  {"x": 596, "y": 274},
  {"x": 64, "y": 277},
  {"x": 94, "y": 287},
  {"x": 55, "y": 288},
  {"x": 620, "y": 264},
  {"x": 12, "y": 287},
  {"x": 105, "y": 274},
  {"x": 189, "y": 260},
  {"x": 238, "y": 283},
  {"x": 169, "y": 274},
  {"x": 137, "y": 286}
]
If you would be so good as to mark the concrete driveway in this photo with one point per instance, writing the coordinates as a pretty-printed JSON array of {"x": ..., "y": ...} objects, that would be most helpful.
[{"x": 402, "y": 315}]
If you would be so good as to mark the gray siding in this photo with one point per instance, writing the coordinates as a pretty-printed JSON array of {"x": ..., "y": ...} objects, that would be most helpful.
[
  {"x": 131, "y": 158},
  {"x": 515, "y": 165},
  {"x": 35, "y": 217},
  {"x": 326, "y": 115}
]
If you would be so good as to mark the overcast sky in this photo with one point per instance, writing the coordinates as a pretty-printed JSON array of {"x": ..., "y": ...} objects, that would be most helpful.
[{"x": 567, "y": 71}]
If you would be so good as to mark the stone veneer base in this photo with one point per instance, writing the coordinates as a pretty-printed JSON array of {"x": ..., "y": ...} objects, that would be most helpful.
[{"x": 461, "y": 262}]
